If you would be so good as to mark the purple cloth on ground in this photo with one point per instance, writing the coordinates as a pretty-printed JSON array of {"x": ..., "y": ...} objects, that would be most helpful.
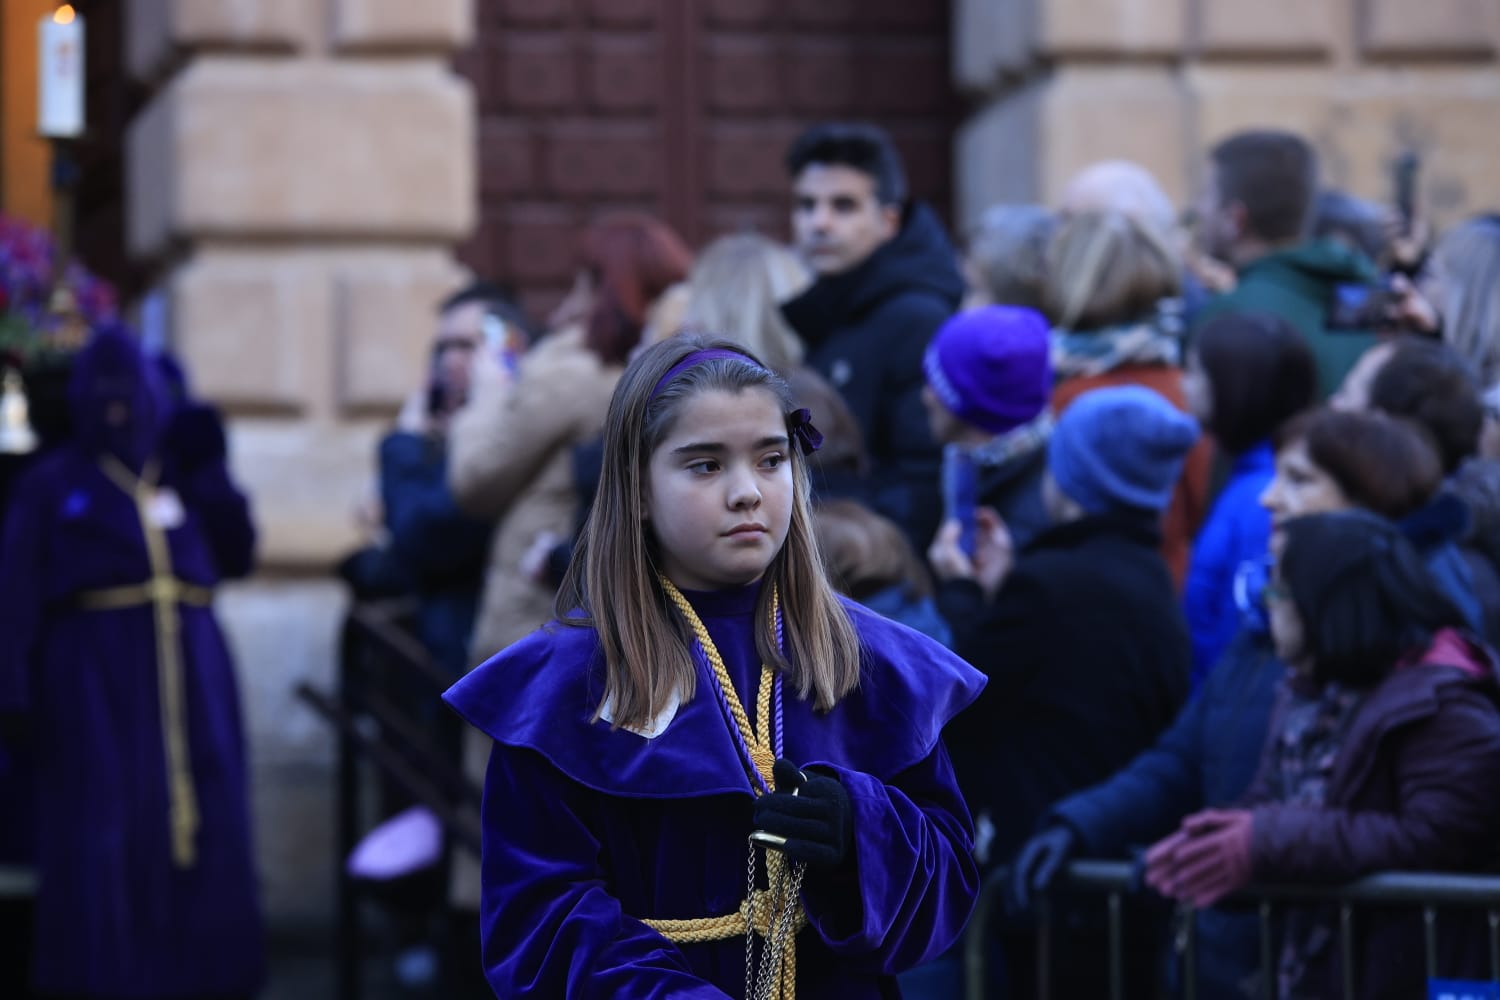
[{"x": 588, "y": 829}]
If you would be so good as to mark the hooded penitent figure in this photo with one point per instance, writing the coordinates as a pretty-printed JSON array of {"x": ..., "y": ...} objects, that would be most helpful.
[{"x": 113, "y": 659}]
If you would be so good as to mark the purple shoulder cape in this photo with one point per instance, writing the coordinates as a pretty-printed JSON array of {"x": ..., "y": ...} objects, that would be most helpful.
[{"x": 541, "y": 694}]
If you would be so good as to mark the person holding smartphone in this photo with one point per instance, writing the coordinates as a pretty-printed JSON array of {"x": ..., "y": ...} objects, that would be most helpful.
[{"x": 989, "y": 379}]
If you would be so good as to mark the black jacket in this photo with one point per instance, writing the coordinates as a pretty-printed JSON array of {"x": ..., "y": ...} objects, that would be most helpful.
[
  {"x": 866, "y": 331},
  {"x": 1087, "y": 656}
]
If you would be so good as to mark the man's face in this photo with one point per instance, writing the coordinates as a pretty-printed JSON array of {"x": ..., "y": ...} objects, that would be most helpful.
[
  {"x": 460, "y": 333},
  {"x": 945, "y": 427},
  {"x": 837, "y": 220},
  {"x": 1217, "y": 226}
]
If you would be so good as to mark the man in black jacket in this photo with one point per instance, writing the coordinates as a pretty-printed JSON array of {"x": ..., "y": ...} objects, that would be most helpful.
[
  {"x": 886, "y": 278},
  {"x": 1080, "y": 634}
]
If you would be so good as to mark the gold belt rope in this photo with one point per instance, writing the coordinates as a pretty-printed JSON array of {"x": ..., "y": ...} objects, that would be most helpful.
[
  {"x": 775, "y": 913},
  {"x": 163, "y": 592}
]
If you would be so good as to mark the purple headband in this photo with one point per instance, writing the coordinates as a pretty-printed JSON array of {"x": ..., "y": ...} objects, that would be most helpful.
[{"x": 799, "y": 422}]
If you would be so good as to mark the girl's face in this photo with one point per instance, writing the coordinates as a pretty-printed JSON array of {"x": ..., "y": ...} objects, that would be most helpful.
[
  {"x": 1286, "y": 624},
  {"x": 719, "y": 489},
  {"x": 1299, "y": 487}
]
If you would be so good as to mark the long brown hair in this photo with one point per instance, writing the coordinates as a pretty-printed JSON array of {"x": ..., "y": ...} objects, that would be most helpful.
[{"x": 613, "y": 576}]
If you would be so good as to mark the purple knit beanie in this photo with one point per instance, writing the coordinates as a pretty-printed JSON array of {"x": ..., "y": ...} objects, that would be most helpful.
[{"x": 992, "y": 367}]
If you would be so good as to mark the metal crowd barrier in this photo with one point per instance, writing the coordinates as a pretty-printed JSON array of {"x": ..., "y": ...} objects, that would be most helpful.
[
  {"x": 371, "y": 727},
  {"x": 1428, "y": 891}
]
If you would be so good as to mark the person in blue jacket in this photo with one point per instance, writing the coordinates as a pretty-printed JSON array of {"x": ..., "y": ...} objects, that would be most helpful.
[
  {"x": 1327, "y": 461},
  {"x": 1247, "y": 374},
  {"x": 712, "y": 776}
]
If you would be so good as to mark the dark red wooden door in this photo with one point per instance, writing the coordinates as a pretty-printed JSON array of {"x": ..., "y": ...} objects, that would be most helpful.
[{"x": 684, "y": 108}]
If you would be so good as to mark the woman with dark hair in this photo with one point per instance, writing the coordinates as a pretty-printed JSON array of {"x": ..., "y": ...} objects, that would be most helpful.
[
  {"x": 1384, "y": 753},
  {"x": 1326, "y": 461},
  {"x": 1408, "y": 468},
  {"x": 1247, "y": 375},
  {"x": 1428, "y": 383}
]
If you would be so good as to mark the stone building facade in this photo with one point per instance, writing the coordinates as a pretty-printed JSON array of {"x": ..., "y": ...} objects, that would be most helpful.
[
  {"x": 304, "y": 178},
  {"x": 298, "y": 179},
  {"x": 1061, "y": 83}
]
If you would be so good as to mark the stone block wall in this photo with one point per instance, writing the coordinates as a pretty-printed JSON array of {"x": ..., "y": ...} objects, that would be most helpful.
[
  {"x": 1057, "y": 84},
  {"x": 298, "y": 181}
]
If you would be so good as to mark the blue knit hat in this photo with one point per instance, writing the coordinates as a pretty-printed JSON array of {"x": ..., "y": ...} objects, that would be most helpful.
[
  {"x": 1120, "y": 448},
  {"x": 991, "y": 367}
]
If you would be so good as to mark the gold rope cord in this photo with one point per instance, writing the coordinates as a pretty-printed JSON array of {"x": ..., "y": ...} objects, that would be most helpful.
[
  {"x": 162, "y": 592},
  {"x": 775, "y": 912}
]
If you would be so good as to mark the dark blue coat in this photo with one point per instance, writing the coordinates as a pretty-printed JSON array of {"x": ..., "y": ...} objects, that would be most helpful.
[
  {"x": 442, "y": 550},
  {"x": 866, "y": 331},
  {"x": 1087, "y": 656},
  {"x": 1207, "y": 759}
]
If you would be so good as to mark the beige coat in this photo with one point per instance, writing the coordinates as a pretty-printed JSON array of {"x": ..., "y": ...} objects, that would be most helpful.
[{"x": 511, "y": 460}]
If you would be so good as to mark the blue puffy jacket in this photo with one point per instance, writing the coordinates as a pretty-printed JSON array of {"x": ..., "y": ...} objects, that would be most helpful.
[{"x": 1238, "y": 530}]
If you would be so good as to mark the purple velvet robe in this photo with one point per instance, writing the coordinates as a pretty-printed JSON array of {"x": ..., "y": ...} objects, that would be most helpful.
[
  {"x": 115, "y": 916},
  {"x": 588, "y": 829}
]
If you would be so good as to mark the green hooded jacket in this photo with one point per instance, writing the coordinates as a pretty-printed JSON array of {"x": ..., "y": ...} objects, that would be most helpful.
[{"x": 1297, "y": 285}]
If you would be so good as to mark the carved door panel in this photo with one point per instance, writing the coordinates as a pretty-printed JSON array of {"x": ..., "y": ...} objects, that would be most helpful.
[{"x": 684, "y": 108}]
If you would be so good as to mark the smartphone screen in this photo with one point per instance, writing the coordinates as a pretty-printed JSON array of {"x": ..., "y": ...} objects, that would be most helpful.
[
  {"x": 502, "y": 342},
  {"x": 960, "y": 493},
  {"x": 1360, "y": 308}
]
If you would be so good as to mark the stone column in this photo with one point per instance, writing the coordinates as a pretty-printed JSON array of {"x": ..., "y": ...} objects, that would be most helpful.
[
  {"x": 1062, "y": 83},
  {"x": 300, "y": 175}
]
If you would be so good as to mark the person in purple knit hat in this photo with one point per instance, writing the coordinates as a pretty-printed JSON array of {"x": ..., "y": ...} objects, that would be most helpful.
[
  {"x": 116, "y": 667},
  {"x": 705, "y": 704},
  {"x": 989, "y": 380}
]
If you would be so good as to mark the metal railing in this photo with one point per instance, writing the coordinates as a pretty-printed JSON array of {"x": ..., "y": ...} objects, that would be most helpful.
[
  {"x": 372, "y": 727},
  {"x": 1426, "y": 891}
]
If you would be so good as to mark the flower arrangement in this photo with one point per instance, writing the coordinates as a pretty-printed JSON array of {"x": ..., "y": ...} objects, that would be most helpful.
[{"x": 42, "y": 320}]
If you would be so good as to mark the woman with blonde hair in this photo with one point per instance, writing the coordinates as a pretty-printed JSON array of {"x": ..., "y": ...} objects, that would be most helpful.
[
  {"x": 736, "y": 289},
  {"x": 1113, "y": 291}
]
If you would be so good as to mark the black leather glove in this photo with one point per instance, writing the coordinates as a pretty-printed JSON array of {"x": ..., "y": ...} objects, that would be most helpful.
[
  {"x": 812, "y": 812},
  {"x": 1036, "y": 865}
]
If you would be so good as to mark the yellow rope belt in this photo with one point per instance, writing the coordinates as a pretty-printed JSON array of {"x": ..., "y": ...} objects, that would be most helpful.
[
  {"x": 758, "y": 912},
  {"x": 163, "y": 593},
  {"x": 135, "y": 595}
]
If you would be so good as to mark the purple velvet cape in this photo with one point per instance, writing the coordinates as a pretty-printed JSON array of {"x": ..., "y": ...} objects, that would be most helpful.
[
  {"x": 587, "y": 829},
  {"x": 114, "y": 918}
]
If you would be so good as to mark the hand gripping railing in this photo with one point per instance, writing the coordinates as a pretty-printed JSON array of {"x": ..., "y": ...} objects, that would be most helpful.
[{"x": 1428, "y": 891}]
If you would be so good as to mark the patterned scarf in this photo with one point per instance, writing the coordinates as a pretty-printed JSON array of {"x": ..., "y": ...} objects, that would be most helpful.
[
  {"x": 1156, "y": 340},
  {"x": 1030, "y": 437},
  {"x": 1306, "y": 750}
]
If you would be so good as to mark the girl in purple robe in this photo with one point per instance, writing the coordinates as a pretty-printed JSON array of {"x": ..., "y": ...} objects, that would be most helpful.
[
  {"x": 712, "y": 777},
  {"x": 113, "y": 542}
]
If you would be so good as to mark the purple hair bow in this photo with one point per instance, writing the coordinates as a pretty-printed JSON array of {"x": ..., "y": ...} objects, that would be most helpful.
[{"x": 808, "y": 437}]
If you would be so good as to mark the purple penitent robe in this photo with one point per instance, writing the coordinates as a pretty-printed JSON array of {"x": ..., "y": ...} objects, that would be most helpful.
[
  {"x": 588, "y": 829},
  {"x": 120, "y": 913}
]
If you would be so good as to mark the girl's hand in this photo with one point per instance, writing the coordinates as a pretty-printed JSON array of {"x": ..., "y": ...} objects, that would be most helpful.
[{"x": 811, "y": 812}]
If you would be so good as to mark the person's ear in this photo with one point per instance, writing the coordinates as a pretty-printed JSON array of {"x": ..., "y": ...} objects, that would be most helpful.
[
  {"x": 1239, "y": 217},
  {"x": 890, "y": 219}
]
